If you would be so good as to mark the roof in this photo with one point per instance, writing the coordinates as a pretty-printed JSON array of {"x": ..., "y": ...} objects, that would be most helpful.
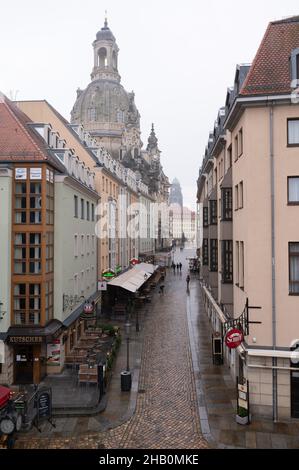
[
  {"x": 133, "y": 279},
  {"x": 18, "y": 140},
  {"x": 270, "y": 70}
]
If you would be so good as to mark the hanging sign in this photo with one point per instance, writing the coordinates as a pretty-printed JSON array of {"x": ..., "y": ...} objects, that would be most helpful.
[
  {"x": 234, "y": 338},
  {"x": 102, "y": 285},
  {"x": 88, "y": 307},
  {"x": 134, "y": 261},
  {"x": 108, "y": 274}
]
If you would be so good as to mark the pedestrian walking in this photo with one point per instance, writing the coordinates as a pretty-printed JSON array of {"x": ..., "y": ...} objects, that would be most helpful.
[
  {"x": 161, "y": 290},
  {"x": 180, "y": 265},
  {"x": 188, "y": 281},
  {"x": 177, "y": 267}
]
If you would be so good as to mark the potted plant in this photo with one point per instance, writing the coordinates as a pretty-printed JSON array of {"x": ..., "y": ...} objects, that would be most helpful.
[{"x": 242, "y": 416}]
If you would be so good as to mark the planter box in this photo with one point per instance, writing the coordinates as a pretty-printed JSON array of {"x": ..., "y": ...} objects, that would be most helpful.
[{"x": 242, "y": 420}]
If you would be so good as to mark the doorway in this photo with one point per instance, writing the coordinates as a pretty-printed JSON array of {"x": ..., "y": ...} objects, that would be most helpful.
[
  {"x": 23, "y": 361},
  {"x": 295, "y": 394}
]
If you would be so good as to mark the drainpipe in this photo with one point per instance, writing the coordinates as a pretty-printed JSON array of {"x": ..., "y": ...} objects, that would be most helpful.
[{"x": 274, "y": 359}]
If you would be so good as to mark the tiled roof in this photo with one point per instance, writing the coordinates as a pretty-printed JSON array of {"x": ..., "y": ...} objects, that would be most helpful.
[
  {"x": 270, "y": 70},
  {"x": 18, "y": 140}
]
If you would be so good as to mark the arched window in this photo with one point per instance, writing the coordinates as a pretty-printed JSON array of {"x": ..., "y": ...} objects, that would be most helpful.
[
  {"x": 102, "y": 55},
  {"x": 114, "y": 60}
]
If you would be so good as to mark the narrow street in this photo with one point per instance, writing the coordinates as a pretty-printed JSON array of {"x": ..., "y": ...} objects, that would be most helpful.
[{"x": 166, "y": 414}]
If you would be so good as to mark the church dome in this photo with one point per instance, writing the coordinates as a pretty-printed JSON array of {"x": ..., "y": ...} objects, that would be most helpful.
[
  {"x": 105, "y": 33},
  {"x": 105, "y": 102}
]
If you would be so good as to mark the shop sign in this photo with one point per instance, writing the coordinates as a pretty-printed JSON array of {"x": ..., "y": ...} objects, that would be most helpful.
[
  {"x": 21, "y": 174},
  {"x": 2, "y": 352},
  {"x": 134, "y": 261},
  {"x": 234, "y": 338},
  {"x": 102, "y": 285},
  {"x": 26, "y": 339},
  {"x": 35, "y": 173},
  {"x": 108, "y": 274},
  {"x": 88, "y": 307},
  {"x": 53, "y": 353}
]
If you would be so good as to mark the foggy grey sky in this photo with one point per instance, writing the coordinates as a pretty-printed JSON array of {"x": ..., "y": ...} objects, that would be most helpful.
[{"x": 178, "y": 57}]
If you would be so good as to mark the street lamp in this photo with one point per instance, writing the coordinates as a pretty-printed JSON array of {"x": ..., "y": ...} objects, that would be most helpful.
[{"x": 127, "y": 330}]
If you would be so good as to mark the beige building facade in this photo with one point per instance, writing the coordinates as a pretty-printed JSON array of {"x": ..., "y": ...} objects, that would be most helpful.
[{"x": 248, "y": 190}]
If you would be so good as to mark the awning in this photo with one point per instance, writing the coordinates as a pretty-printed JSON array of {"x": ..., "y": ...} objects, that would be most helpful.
[{"x": 133, "y": 279}]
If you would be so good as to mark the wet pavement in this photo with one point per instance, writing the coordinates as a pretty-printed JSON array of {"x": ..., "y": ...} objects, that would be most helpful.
[
  {"x": 166, "y": 410},
  {"x": 179, "y": 399}
]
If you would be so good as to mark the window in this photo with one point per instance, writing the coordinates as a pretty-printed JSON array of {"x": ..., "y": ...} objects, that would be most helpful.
[
  {"x": 76, "y": 209},
  {"x": 213, "y": 212},
  {"x": 76, "y": 285},
  {"x": 237, "y": 264},
  {"x": 213, "y": 255},
  {"x": 92, "y": 212},
  {"x": 93, "y": 243},
  {"x": 227, "y": 261},
  {"x": 293, "y": 132},
  {"x": 241, "y": 272},
  {"x": 236, "y": 149},
  {"x": 82, "y": 286},
  {"x": 227, "y": 204},
  {"x": 82, "y": 245},
  {"x": 88, "y": 244},
  {"x": 293, "y": 190},
  {"x": 87, "y": 211},
  {"x": 205, "y": 216},
  {"x": 294, "y": 268},
  {"x": 82, "y": 209},
  {"x": 236, "y": 197},
  {"x": 27, "y": 253},
  {"x": 205, "y": 252},
  {"x": 49, "y": 252},
  {"x": 49, "y": 300},
  {"x": 75, "y": 245},
  {"x": 240, "y": 143},
  {"x": 27, "y": 304},
  {"x": 241, "y": 198},
  {"x": 229, "y": 157}
]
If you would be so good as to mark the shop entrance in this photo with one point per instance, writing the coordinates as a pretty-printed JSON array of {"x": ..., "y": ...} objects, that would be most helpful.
[
  {"x": 295, "y": 394},
  {"x": 23, "y": 364}
]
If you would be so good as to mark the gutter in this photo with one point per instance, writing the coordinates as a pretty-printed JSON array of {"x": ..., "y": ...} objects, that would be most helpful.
[{"x": 273, "y": 257}]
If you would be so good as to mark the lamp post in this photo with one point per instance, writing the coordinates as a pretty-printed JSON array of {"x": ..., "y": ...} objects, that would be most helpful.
[{"x": 127, "y": 330}]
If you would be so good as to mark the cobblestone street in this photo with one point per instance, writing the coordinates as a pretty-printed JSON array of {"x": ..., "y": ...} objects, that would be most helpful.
[{"x": 166, "y": 411}]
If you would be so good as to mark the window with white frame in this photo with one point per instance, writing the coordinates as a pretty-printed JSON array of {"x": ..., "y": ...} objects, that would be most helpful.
[
  {"x": 82, "y": 245},
  {"x": 293, "y": 190},
  {"x": 293, "y": 132},
  {"x": 76, "y": 245}
]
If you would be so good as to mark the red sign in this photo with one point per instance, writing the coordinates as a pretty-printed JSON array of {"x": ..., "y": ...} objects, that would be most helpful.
[
  {"x": 134, "y": 261},
  {"x": 234, "y": 338},
  {"x": 88, "y": 308}
]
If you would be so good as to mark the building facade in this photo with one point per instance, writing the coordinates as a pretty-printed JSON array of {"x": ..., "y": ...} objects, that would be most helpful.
[
  {"x": 248, "y": 194},
  {"x": 41, "y": 180}
]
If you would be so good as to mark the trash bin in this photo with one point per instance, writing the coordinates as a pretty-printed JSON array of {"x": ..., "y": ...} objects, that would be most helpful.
[{"x": 126, "y": 381}]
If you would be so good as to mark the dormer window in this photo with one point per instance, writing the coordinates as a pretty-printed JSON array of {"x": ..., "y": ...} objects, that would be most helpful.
[{"x": 295, "y": 67}]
